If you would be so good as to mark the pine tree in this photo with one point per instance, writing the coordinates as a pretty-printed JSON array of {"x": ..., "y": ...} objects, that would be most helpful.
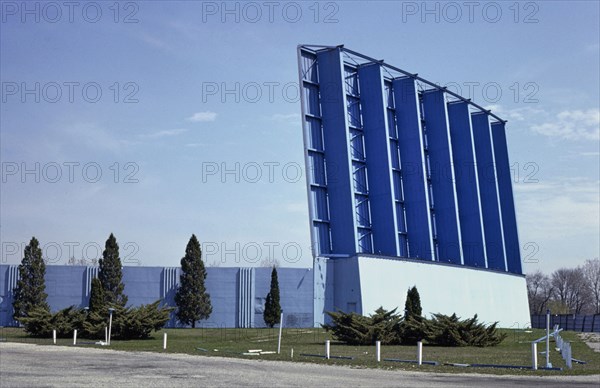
[
  {"x": 412, "y": 307},
  {"x": 110, "y": 274},
  {"x": 413, "y": 327},
  {"x": 272, "y": 313},
  {"x": 97, "y": 303},
  {"x": 192, "y": 300},
  {"x": 30, "y": 292}
]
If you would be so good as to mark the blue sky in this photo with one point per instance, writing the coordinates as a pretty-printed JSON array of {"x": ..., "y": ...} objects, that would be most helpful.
[{"x": 156, "y": 120}]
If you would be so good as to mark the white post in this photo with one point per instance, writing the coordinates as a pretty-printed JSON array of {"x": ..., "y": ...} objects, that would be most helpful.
[
  {"x": 327, "y": 348},
  {"x": 548, "y": 365},
  {"x": 292, "y": 353},
  {"x": 378, "y": 350},
  {"x": 420, "y": 352},
  {"x": 109, "y": 326},
  {"x": 280, "y": 328},
  {"x": 164, "y": 341},
  {"x": 75, "y": 337},
  {"x": 534, "y": 355},
  {"x": 569, "y": 359},
  {"x": 54, "y": 336},
  {"x": 106, "y": 334}
]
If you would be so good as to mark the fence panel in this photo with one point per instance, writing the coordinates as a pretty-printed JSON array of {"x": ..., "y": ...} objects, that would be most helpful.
[{"x": 573, "y": 322}]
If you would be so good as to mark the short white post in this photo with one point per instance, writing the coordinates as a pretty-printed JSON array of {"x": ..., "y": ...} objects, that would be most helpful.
[
  {"x": 569, "y": 359},
  {"x": 54, "y": 336},
  {"x": 534, "y": 355},
  {"x": 292, "y": 353},
  {"x": 378, "y": 350},
  {"x": 327, "y": 349},
  {"x": 75, "y": 337},
  {"x": 420, "y": 353},
  {"x": 280, "y": 328},
  {"x": 164, "y": 341},
  {"x": 106, "y": 334}
]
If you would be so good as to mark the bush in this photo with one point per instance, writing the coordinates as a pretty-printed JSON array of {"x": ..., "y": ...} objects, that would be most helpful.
[
  {"x": 140, "y": 322},
  {"x": 37, "y": 323},
  {"x": 128, "y": 323},
  {"x": 355, "y": 329},
  {"x": 447, "y": 330},
  {"x": 389, "y": 328},
  {"x": 40, "y": 322},
  {"x": 412, "y": 330}
]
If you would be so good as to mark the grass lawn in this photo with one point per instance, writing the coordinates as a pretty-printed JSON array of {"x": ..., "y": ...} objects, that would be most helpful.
[{"x": 514, "y": 350}]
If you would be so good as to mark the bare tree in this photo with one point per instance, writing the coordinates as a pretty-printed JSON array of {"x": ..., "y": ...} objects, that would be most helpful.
[
  {"x": 539, "y": 292},
  {"x": 591, "y": 273},
  {"x": 82, "y": 261},
  {"x": 580, "y": 294},
  {"x": 571, "y": 288},
  {"x": 269, "y": 263}
]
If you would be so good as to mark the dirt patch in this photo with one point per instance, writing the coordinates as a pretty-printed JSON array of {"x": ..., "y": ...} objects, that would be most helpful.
[{"x": 592, "y": 340}]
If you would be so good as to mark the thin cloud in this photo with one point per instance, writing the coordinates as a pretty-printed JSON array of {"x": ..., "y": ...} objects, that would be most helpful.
[
  {"x": 286, "y": 117},
  {"x": 574, "y": 202},
  {"x": 516, "y": 114},
  {"x": 165, "y": 133},
  {"x": 94, "y": 136},
  {"x": 154, "y": 41},
  {"x": 572, "y": 125},
  {"x": 203, "y": 117}
]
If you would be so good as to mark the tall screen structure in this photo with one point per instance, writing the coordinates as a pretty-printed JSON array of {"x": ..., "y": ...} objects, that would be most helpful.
[{"x": 400, "y": 167}]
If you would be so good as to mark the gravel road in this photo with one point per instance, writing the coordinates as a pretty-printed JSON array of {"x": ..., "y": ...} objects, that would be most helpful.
[{"x": 61, "y": 366}]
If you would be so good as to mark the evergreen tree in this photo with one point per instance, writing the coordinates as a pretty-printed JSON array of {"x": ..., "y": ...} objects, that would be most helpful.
[
  {"x": 30, "y": 292},
  {"x": 110, "y": 274},
  {"x": 412, "y": 328},
  {"x": 97, "y": 316},
  {"x": 192, "y": 300},
  {"x": 272, "y": 313},
  {"x": 97, "y": 303},
  {"x": 412, "y": 307}
]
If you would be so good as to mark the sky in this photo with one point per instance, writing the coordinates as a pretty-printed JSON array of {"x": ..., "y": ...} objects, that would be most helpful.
[{"x": 157, "y": 120}]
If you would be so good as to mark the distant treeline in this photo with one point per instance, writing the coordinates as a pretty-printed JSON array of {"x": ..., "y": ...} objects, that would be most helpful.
[{"x": 566, "y": 290}]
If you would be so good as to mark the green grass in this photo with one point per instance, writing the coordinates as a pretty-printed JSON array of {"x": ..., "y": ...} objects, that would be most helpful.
[{"x": 514, "y": 350}]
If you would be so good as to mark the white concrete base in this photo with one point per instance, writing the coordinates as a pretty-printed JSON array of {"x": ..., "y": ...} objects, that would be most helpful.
[
  {"x": 447, "y": 289},
  {"x": 363, "y": 283}
]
